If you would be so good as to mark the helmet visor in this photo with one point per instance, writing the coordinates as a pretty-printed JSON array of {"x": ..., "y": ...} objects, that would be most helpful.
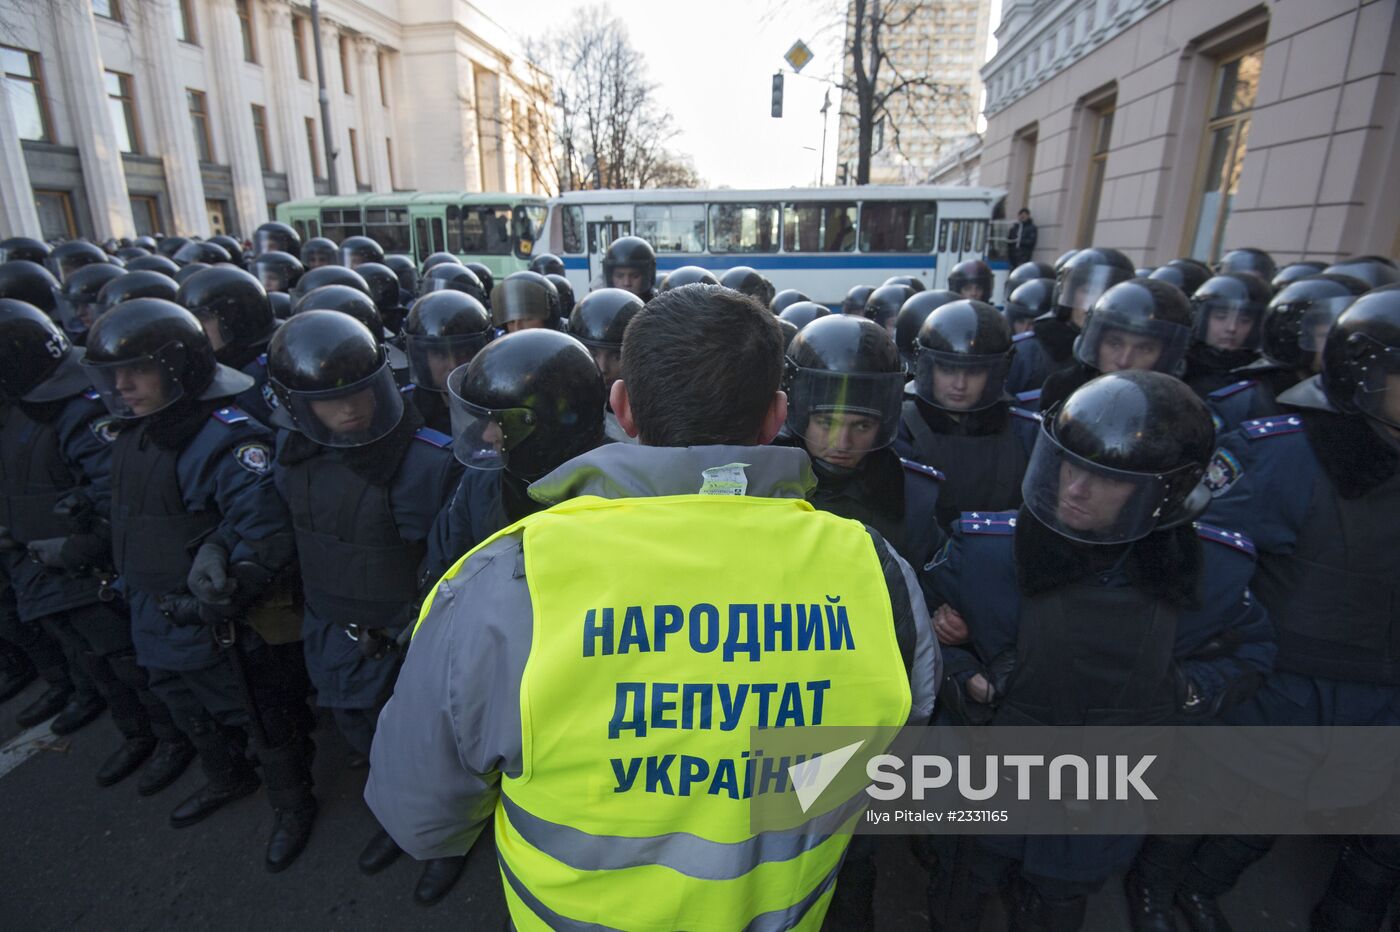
[
  {"x": 432, "y": 359},
  {"x": 76, "y": 313},
  {"x": 273, "y": 277},
  {"x": 1087, "y": 502},
  {"x": 1079, "y": 288},
  {"x": 142, "y": 385},
  {"x": 351, "y": 256},
  {"x": 1378, "y": 390},
  {"x": 351, "y": 416},
  {"x": 520, "y": 299},
  {"x": 844, "y": 413},
  {"x": 482, "y": 438},
  {"x": 1227, "y": 325},
  {"x": 1112, "y": 344},
  {"x": 957, "y": 382},
  {"x": 1318, "y": 319},
  {"x": 271, "y": 241}
]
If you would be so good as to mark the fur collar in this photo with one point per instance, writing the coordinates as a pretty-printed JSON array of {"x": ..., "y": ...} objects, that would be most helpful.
[{"x": 1352, "y": 455}]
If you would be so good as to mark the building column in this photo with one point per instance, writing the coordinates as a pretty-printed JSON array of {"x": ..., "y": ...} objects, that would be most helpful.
[
  {"x": 104, "y": 178},
  {"x": 282, "y": 86},
  {"x": 343, "y": 165},
  {"x": 235, "y": 112},
  {"x": 18, "y": 216},
  {"x": 402, "y": 168},
  {"x": 183, "y": 184},
  {"x": 372, "y": 114}
]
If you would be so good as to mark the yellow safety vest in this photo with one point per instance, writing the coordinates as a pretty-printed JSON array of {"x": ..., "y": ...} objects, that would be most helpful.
[{"x": 664, "y": 628}]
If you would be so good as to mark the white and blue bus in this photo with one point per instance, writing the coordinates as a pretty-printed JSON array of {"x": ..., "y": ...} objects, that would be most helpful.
[{"x": 821, "y": 241}]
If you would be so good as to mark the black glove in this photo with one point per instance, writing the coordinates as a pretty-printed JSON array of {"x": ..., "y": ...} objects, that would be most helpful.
[
  {"x": 182, "y": 609},
  {"x": 208, "y": 577},
  {"x": 7, "y": 543},
  {"x": 83, "y": 553},
  {"x": 1189, "y": 700},
  {"x": 999, "y": 673},
  {"x": 76, "y": 508},
  {"x": 48, "y": 552}
]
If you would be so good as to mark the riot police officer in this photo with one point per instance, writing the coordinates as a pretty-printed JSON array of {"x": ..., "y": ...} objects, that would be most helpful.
[
  {"x": 407, "y": 274},
  {"x": 317, "y": 252},
  {"x": 443, "y": 330},
  {"x": 960, "y": 420},
  {"x": 911, "y": 319},
  {"x": 525, "y": 300},
  {"x": 23, "y": 247},
  {"x": 438, "y": 258},
  {"x": 77, "y": 299},
  {"x": 358, "y": 250},
  {"x": 1040, "y": 599},
  {"x": 566, "y": 294},
  {"x": 159, "y": 264},
  {"x": 276, "y": 237},
  {"x": 134, "y": 285},
  {"x": 451, "y": 275},
  {"x": 688, "y": 275},
  {"x": 1025, "y": 303},
  {"x": 884, "y": 304},
  {"x": 204, "y": 252},
  {"x": 1027, "y": 272},
  {"x": 486, "y": 277},
  {"x": 66, "y": 258},
  {"x": 630, "y": 264},
  {"x": 198, "y": 537},
  {"x": 277, "y": 270},
  {"x": 598, "y": 323},
  {"x": 1247, "y": 259},
  {"x": 854, "y": 301},
  {"x": 547, "y": 264},
  {"x": 803, "y": 313},
  {"x": 230, "y": 246},
  {"x": 1293, "y": 271},
  {"x": 22, "y": 280},
  {"x": 784, "y": 298},
  {"x": 237, "y": 316},
  {"x": 1375, "y": 271},
  {"x": 971, "y": 279},
  {"x": 746, "y": 280},
  {"x": 363, "y": 480},
  {"x": 1226, "y": 312},
  {"x": 1186, "y": 274},
  {"x": 324, "y": 275},
  {"x": 913, "y": 282},
  {"x": 383, "y": 287}
]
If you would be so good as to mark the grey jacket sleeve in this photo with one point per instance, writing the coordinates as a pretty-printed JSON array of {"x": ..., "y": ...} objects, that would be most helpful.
[{"x": 452, "y": 726}]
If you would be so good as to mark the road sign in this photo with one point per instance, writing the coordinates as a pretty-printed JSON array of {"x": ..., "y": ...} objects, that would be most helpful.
[{"x": 798, "y": 56}]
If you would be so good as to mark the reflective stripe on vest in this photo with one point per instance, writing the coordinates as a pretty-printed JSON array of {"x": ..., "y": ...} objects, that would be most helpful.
[{"x": 635, "y": 598}]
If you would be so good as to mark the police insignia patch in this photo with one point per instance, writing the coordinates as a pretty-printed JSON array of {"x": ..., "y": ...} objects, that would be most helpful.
[
  {"x": 104, "y": 429},
  {"x": 1224, "y": 471},
  {"x": 268, "y": 395},
  {"x": 254, "y": 457}
]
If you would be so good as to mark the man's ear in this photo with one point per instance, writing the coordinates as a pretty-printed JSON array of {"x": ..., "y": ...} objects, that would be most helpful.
[
  {"x": 775, "y": 418},
  {"x": 622, "y": 407}
]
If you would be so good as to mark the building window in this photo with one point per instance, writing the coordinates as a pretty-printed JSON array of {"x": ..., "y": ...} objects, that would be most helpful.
[
  {"x": 389, "y": 149},
  {"x": 245, "y": 26},
  {"x": 199, "y": 117},
  {"x": 1101, "y": 125},
  {"x": 145, "y": 214},
  {"x": 260, "y": 134},
  {"x": 24, "y": 83},
  {"x": 1227, "y": 132},
  {"x": 218, "y": 216},
  {"x": 184, "y": 22},
  {"x": 355, "y": 156},
  {"x": 314, "y": 147},
  {"x": 299, "y": 43},
  {"x": 345, "y": 64},
  {"x": 121, "y": 104},
  {"x": 55, "y": 209},
  {"x": 108, "y": 9}
]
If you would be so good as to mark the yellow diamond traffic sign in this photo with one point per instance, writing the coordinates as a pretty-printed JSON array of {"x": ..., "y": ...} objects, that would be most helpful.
[{"x": 798, "y": 56}]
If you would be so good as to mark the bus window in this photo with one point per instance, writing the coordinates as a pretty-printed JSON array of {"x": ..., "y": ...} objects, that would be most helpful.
[
  {"x": 313, "y": 228},
  {"x": 454, "y": 230},
  {"x": 300, "y": 227},
  {"x": 437, "y": 234},
  {"x": 496, "y": 221},
  {"x": 743, "y": 228},
  {"x": 819, "y": 227},
  {"x": 340, "y": 224},
  {"x": 672, "y": 227},
  {"x": 388, "y": 228},
  {"x": 573, "y": 229},
  {"x": 894, "y": 226},
  {"x": 969, "y": 234},
  {"x": 979, "y": 242},
  {"x": 529, "y": 228},
  {"x": 420, "y": 233}
]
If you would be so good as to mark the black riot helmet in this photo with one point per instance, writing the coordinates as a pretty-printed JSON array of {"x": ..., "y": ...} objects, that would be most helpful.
[
  {"x": 884, "y": 304},
  {"x": 454, "y": 276},
  {"x": 525, "y": 297},
  {"x": 599, "y": 320},
  {"x": 438, "y": 258},
  {"x": 135, "y": 285},
  {"x": 631, "y": 252},
  {"x": 37, "y": 361},
  {"x": 169, "y": 245},
  {"x": 964, "y": 352},
  {"x": 1062, "y": 261},
  {"x": 789, "y": 330},
  {"x": 484, "y": 275},
  {"x": 1375, "y": 271},
  {"x": 325, "y": 275},
  {"x": 159, "y": 264},
  {"x": 746, "y": 280},
  {"x": 1144, "y": 271},
  {"x": 1087, "y": 275},
  {"x": 29, "y": 282},
  {"x": 443, "y": 330},
  {"x": 566, "y": 293},
  {"x": 145, "y": 355},
  {"x": 357, "y": 250},
  {"x": 975, "y": 274},
  {"x": 332, "y": 380},
  {"x": 205, "y": 252},
  {"x": 383, "y": 286},
  {"x": 845, "y": 384},
  {"x": 1293, "y": 271},
  {"x": 804, "y": 312},
  {"x": 276, "y": 237},
  {"x": 1247, "y": 259},
  {"x": 77, "y": 300},
  {"x": 1121, "y": 457},
  {"x": 1184, "y": 274},
  {"x": 688, "y": 275},
  {"x": 231, "y": 304},
  {"x": 346, "y": 300},
  {"x": 1028, "y": 272},
  {"x": 281, "y": 304},
  {"x": 1028, "y": 301},
  {"x": 230, "y": 245},
  {"x": 784, "y": 298},
  {"x": 145, "y": 242},
  {"x": 911, "y": 318},
  {"x": 319, "y": 251},
  {"x": 1361, "y": 359},
  {"x": 406, "y": 271},
  {"x": 1299, "y": 317},
  {"x": 277, "y": 270},
  {"x": 127, "y": 253},
  {"x": 854, "y": 302},
  {"x": 546, "y": 263},
  {"x": 1137, "y": 324},
  {"x": 23, "y": 247},
  {"x": 188, "y": 271},
  {"x": 1227, "y": 310},
  {"x": 526, "y": 403},
  {"x": 913, "y": 282},
  {"x": 66, "y": 258}
]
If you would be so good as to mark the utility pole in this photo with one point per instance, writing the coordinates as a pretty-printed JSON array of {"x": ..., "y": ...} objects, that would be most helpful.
[
  {"x": 323, "y": 96},
  {"x": 826, "y": 105}
]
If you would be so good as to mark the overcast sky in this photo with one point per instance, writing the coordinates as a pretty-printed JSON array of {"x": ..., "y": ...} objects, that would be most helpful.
[{"x": 714, "y": 73}]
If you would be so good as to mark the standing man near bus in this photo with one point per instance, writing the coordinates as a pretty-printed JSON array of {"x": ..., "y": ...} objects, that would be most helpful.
[
  {"x": 1022, "y": 237},
  {"x": 509, "y": 698}
]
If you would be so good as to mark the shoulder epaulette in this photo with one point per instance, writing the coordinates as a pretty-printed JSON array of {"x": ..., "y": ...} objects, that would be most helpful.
[
  {"x": 436, "y": 437},
  {"x": 1275, "y": 426},
  {"x": 231, "y": 414},
  {"x": 408, "y": 388},
  {"x": 92, "y": 394},
  {"x": 988, "y": 522},
  {"x": 922, "y": 469},
  {"x": 1023, "y": 335},
  {"x": 1233, "y": 389},
  {"x": 1024, "y": 414},
  {"x": 1235, "y": 539},
  {"x": 1032, "y": 395},
  {"x": 262, "y": 360}
]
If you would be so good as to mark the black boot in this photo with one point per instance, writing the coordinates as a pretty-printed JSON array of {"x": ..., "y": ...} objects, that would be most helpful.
[
  {"x": 230, "y": 776},
  {"x": 1214, "y": 870},
  {"x": 46, "y": 706},
  {"x": 287, "y": 773},
  {"x": 1362, "y": 886},
  {"x": 1152, "y": 883},
  {"x": 165, "y": 766},
  {"x": 126, "y": 760},
  {"x": 437, "y": 879},
  {"x": 1034, "y": 913},
  {"x": 16, "y": 672},
  {"x": 79, "y": 711},
  {"x": 379, "y": 853}
]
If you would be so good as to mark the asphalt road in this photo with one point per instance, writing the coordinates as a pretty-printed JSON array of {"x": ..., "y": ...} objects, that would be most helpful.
[{"x": 75, "y": 857}]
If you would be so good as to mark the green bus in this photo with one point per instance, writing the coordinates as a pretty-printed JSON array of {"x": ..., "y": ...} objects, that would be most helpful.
[{"x": 498, "y": 230}]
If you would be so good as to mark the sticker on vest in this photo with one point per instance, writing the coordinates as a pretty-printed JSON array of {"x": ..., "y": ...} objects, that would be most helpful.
[
  {"x": 1224, "y": 471},
  {"x": 725, "y": 480},
  {"x": 269, "y": 396},
  {"x": 104, "y": 428},
  {"x": 254, "y": 457}
]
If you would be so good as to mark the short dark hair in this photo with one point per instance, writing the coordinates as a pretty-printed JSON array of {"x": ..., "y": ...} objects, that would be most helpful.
[
  {"x": 701, "y": 364},
  {"x": 1024, "y": 210}
]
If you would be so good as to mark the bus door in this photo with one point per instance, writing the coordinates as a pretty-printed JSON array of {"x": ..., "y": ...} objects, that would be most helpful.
[
  {"x": 428, "y": 236},
  {"x": 950, "y": 248},
  {"x": 601, "y": 234}
]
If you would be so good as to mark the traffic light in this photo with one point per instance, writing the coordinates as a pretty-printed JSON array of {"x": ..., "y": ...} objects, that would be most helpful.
[{"x": 778, "y": 94}]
